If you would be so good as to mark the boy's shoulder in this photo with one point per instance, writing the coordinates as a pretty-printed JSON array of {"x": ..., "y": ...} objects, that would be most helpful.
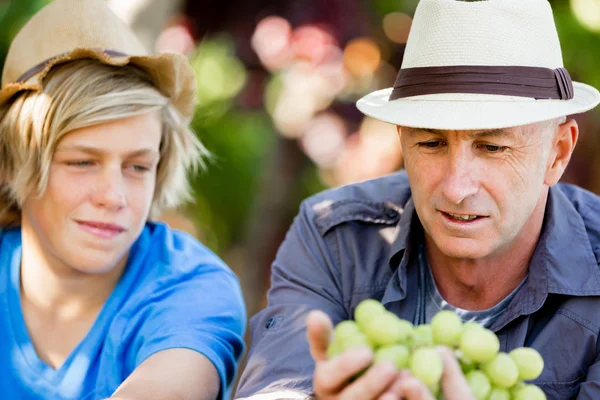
[{"x": 178, "y": 252}]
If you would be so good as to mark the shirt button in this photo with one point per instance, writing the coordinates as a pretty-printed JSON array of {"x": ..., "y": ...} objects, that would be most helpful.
[{"x": 391, "y": 213}]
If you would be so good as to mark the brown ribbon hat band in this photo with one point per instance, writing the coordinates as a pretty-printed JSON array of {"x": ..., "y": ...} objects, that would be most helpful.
[
  {"x": 539, "y": 83},
  {"x": 41, "y": 66}
]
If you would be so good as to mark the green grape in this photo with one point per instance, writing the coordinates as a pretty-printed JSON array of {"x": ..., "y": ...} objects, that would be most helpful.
[
  {"x": 366, "y": 310},
  {"x": 529, "y": 392},
  {"x": 434, "y": 389},
  {"x": 372, "y": 344},
  {"x": 466, "y": 365},
  {"x": 479, "y": 345},
  {"x": 422, "y": 336},
  {"x": 529, "y": 362},
  {"x": 427, "y": 365},
  {"x": 516, "y": 388},
  {"x": 446, "y": 328},
  {"x": 353, "y": 341},
  {"x": 499, "y": 394},
  {"x": 480, "y": 384},
  {"x": 406, "y": 328},
  {"x": 398, "y": 354},
  {"x": 334, "y": 349},
  {"x": 386, "y": 329},
  {"x": 346, "y": 329},
  {"x": 502, "y": 371},
  {"x": 471, "y": 325}
]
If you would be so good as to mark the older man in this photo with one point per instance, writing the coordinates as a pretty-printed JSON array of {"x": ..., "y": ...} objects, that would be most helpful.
[{"x": 477, "y": 223}]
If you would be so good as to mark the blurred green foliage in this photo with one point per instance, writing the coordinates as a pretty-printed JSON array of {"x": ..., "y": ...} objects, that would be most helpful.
[
  {"x": 226, "y": 193},
  {"x": 13, "y": 15},
  {"x": 384, "y": 7},
  {"x": 580, "y": 47},
  {"x": 220, "y": 76}
]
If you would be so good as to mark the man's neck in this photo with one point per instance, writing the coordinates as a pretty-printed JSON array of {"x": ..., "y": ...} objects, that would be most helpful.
[{"x": 481, "y": 284}]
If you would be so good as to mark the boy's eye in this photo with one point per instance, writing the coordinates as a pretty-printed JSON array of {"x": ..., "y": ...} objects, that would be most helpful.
[
  {"x": 140, "y": 168},
  {"x": 80, "y": 163}
]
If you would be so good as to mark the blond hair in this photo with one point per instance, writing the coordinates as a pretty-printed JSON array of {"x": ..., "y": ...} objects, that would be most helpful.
[{"x": 80, "y": 94}]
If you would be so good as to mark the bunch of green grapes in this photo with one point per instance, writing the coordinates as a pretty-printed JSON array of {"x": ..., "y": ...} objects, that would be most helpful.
[{"x": 491, "y": 374}]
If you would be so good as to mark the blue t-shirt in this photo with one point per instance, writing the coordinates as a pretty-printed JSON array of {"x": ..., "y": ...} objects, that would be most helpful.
[{"x": 174, "y": 293}]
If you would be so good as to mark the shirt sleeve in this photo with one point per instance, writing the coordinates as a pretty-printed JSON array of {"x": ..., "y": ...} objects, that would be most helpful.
[
  {"x": 202, "y": 310},
  {"x": 303, "y": 278},
  {"x": 590, "y": 389}
]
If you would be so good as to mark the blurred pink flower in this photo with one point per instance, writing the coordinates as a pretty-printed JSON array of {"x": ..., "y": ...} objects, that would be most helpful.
[
  {"x": 312, "y": 43},
  {"x": 372, "y": 152},
  {"x": 324, "y": 138},
  {"x": 271, "y": 42},
  {"x": 176, "y": 37}
]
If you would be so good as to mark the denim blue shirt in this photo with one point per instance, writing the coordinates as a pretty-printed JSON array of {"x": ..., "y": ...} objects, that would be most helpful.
[{"x": 360, "y": 241}]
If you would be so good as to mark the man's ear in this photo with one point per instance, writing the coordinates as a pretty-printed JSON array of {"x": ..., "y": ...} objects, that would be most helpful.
[{"x": 563, "y": 144}]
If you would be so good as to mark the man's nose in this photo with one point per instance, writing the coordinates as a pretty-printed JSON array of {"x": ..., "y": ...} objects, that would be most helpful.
[
  {"x": 110, "y": 192},
  {"x": 461, "y": 177}
]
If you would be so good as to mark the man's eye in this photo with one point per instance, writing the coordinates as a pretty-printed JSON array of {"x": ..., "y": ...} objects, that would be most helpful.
[
  {"x": 431, "y": 145},
  {"x": 490, "y": 148}
]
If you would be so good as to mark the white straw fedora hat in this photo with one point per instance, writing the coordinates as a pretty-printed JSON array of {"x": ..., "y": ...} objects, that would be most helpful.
[
  {"x": 480, "y": 64},
  {"x": 67, "y": 30}
]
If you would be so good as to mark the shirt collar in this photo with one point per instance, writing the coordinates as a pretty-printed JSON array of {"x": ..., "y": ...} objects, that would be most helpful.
[
  {"x": 400, "y": 253},
  {"x": 406, "y": 230},
  {"x": 563, "y": 261}
]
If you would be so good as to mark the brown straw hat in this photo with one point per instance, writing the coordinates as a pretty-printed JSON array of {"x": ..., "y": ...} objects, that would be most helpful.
[{"x": 67, "y": 30}]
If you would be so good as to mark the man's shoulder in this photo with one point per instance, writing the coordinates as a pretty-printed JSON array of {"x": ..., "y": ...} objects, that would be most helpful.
[
  {"x": 380, "y": 201},
  {"x": 580, "y": 197},
  {"x": 587, "y": 205}
]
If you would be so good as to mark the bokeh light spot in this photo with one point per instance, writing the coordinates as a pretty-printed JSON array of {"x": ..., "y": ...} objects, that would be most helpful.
[
  {"x": 396, "y": 26},
  {"x": 587, "y": 13},
  {"x": 362, "y": 57}
]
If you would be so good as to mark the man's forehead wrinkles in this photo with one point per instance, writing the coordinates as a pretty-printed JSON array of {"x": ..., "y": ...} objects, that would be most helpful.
[
  {"x": 492, "y": 133},
  {"x": 501, "y": 132}
]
